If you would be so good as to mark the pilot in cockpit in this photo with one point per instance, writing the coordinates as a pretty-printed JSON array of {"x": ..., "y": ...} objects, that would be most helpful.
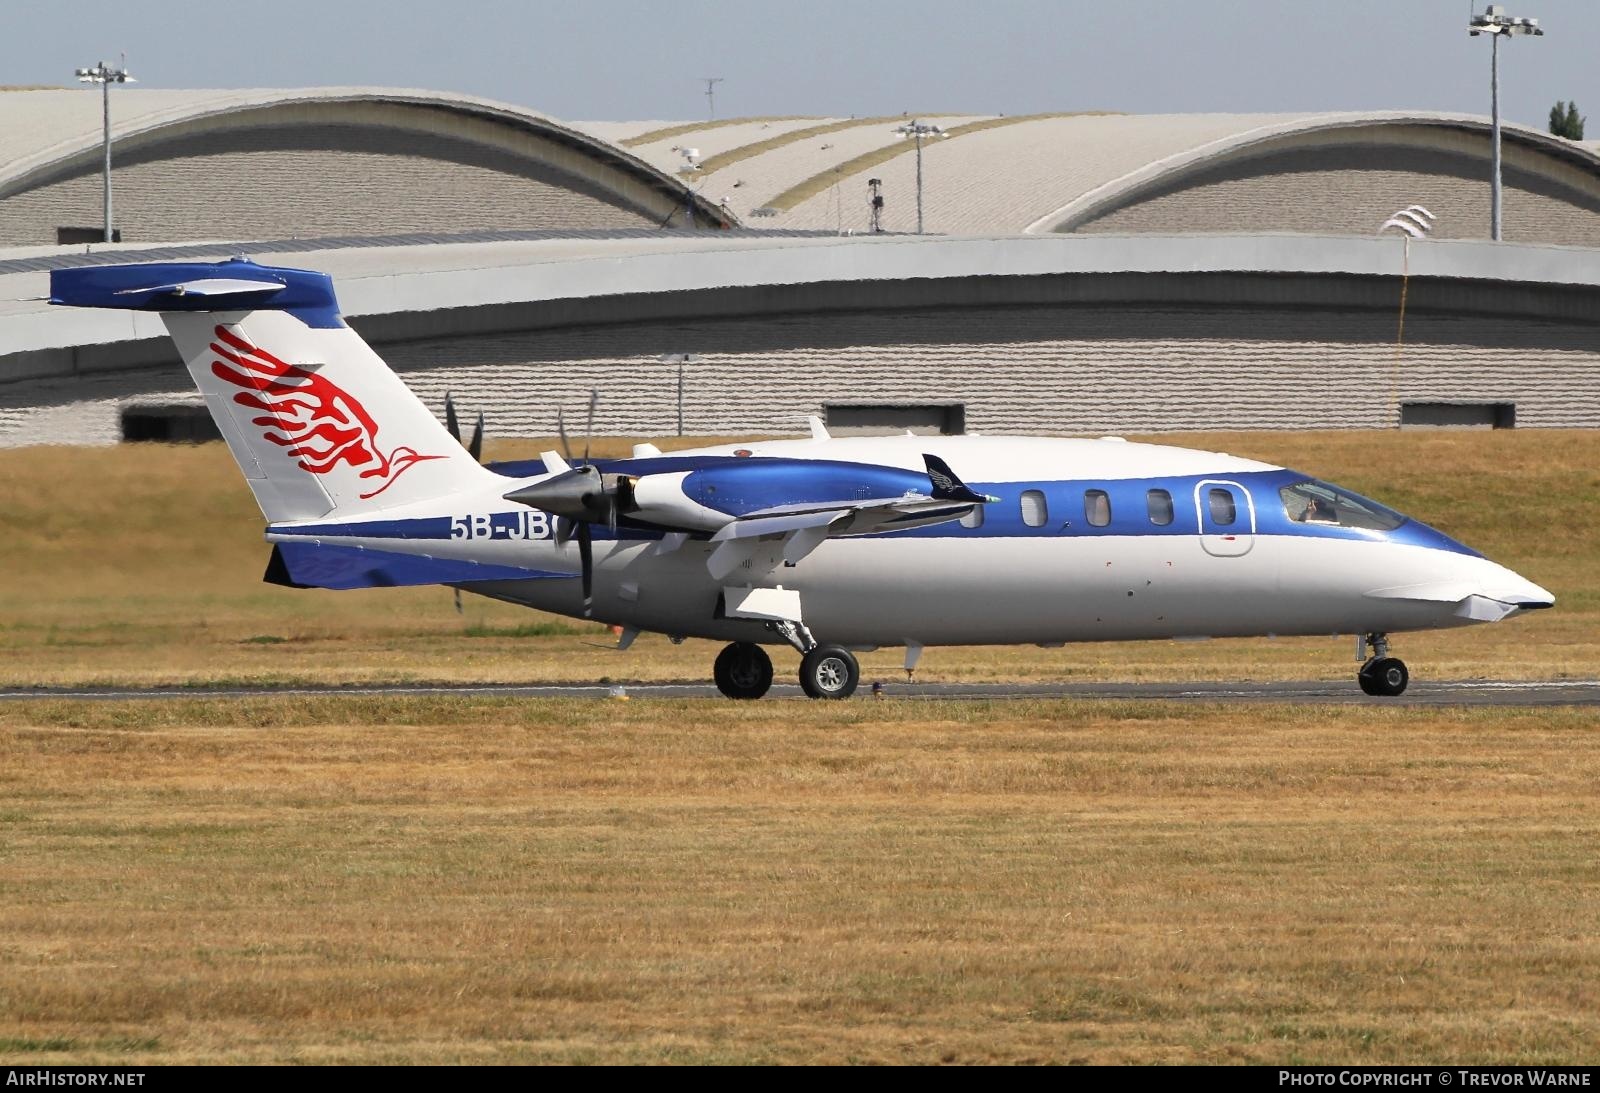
[{"x": 1318, "y": 511}]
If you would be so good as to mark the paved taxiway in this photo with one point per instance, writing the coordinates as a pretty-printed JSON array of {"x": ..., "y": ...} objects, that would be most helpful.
[{"x": 1448, "y": 693}]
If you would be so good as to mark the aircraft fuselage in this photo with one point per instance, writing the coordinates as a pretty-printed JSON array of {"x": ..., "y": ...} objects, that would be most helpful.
[{"x": 1087, "y": 541}]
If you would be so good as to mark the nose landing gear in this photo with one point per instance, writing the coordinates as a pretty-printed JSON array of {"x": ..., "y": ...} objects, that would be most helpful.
[{"x": 1382, "y": 675}]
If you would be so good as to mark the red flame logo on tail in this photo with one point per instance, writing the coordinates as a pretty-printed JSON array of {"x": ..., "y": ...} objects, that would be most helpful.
[{"x": 320, "y": 423}]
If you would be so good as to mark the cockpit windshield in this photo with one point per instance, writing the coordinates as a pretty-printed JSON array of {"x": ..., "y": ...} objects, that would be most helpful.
[{"x": 1319, "y": 503}]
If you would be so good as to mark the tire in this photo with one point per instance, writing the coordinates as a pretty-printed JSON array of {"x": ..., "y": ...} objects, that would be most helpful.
[
  {"x": 829, "y": 671},
  {"x": 1384, "y": 677},
  {"x": 743, "y": 670}
]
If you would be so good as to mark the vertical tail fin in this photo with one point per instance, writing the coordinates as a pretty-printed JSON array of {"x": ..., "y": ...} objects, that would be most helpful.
[{"x": 316, "y": 420}]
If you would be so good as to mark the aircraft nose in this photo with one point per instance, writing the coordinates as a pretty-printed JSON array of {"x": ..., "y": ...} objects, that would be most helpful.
[
  {"x": 1502, "y": 593},
  {"x": 1513, "y": 588}
]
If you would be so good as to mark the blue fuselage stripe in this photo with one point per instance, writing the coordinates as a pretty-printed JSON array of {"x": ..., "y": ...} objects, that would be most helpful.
[{"x": 1065, "y": 512}]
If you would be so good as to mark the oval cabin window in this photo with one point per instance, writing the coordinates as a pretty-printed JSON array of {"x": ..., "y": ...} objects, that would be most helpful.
[
  {"x": 1223, "y": 511},
  {"x": 1159, "y": 503},
  {"x": 1034, "y": 510},
  {"x": 1097, "y": 508}
]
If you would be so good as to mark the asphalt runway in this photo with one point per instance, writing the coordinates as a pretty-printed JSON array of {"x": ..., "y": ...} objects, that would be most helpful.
[{"x": 1501, "y": 693}]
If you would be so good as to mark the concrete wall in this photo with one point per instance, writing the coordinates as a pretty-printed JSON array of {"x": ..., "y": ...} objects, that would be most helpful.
[
  {"x": 1024, "y": 369},
  {"x": 306, "y": 180}
]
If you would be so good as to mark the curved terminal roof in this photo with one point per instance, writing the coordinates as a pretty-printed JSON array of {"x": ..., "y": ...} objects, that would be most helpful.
[
  {"x": 1067, "y": 172},
  {"x": 456, "y": 274},
  {"x": 44, "y": 133}
]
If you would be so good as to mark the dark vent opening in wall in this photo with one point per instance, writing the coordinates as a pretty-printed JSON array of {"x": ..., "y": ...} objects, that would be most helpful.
[
  {"x": 1458, "y": 415},
  {"x": 72, "y": 237},
  {"x": 176, "y": 424},
  {"x": 876, "y": 418}
]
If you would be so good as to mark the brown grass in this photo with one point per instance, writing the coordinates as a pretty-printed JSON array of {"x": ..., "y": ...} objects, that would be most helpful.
[
  {"x": 435, "y": 880},
  {"x": 142, "y": 565}
]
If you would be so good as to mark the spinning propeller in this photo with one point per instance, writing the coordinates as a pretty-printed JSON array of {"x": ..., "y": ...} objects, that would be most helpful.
[
  {"x": 579, "y": 498},
  {"x": 474, "y": 446}
]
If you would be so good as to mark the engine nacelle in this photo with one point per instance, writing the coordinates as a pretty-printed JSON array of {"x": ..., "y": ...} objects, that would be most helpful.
[{"x": 661, "y": 499}]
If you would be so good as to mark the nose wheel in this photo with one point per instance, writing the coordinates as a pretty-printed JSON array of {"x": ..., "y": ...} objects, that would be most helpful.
[
  {"x": 1386, "y": 676},
  {"x": 1382, "y": 675}
]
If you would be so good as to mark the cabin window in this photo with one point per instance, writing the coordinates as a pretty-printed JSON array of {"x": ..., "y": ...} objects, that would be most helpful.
[
  {"x": 973, "y": 519},
  {"x": 1096, "y": 508},
  {"x": 1159, "y": 502},
  {"x": 1034, "y": 510},
  {"x": 1223, "y": 510},
  {"x": 1320, "y": 503}
]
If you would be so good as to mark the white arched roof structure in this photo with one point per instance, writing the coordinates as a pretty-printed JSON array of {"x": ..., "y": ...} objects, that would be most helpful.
[
  {"x": 1086, "y": 172},
  {"x": 51, "y": 139}
]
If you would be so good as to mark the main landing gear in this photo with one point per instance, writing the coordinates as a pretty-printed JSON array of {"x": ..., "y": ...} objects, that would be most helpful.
[
  {"x": 1382, "y": 674},
  {"x": 743, "y": 669},
  {"x": 829, "y": 671}
]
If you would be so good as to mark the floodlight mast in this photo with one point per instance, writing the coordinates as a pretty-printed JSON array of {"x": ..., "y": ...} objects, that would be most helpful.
[
  {"x": 105, "y": 76},
  {"x": 1495, "y": 22},
  {"x": 917, "y": 130}
]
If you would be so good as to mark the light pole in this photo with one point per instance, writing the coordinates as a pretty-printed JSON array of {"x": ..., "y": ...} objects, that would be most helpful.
[
  {"x": 691, "y": 164},
  {"x": 105, "y": 76},
  {"x": 681, "y": 359},
  {"x": 1495, "y": 22},
  {"x": 917, "y": 130}
]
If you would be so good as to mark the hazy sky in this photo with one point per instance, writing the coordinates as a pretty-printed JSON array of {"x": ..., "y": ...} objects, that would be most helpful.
[{"x": 626, "y": 59}]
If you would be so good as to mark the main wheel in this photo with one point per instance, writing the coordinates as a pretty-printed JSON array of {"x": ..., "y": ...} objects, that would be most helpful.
[
  {"x": 1384, "y": 676},
  {"x": 829, "y": 671},
  {"x": 743, "y": 670}
]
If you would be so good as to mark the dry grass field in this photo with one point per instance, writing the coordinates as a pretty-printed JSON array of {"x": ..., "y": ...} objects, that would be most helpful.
[
  {"x": 142, "y": 564},
  {"x": 343, "y": 879},
  {"x": 346, "y": 878}
]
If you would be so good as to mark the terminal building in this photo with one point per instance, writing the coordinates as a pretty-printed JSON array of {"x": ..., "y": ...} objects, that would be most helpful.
[{"x": 1078, "y": 273}]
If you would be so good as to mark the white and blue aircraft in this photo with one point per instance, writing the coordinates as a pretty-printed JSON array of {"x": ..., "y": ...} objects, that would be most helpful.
[{"x": 826, "y": 544}]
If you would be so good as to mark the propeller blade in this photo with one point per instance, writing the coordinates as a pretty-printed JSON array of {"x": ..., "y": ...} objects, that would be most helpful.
[
  {"x": 475, "y": 446},
  {"x": 458, "y": 602},
  {"x": 586, "y": 558},
  {"x": 561, "y": 427},
  {"x": 450, "y": 422},
  {"x": 564, "y": 529},
  {"x": 588, "y": 432}
]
